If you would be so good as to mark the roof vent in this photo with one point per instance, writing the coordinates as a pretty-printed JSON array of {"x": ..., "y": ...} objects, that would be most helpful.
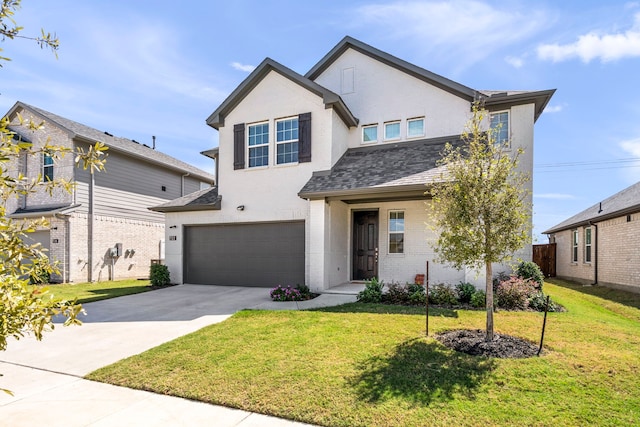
[
  {"x": 107, "y": 133},
  {"x": 600, "y": 209},
  {"x": 499, "y": 94},
  {"x": 135, "y": 141}
]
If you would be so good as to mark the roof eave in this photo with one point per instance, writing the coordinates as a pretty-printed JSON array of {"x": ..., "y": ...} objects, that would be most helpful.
[
  {"x": 355, "y": 192},
  {"x": 208, "y": 207},
  {"x": 621, "y": 212},
  {"x": 539, "y": 98}
]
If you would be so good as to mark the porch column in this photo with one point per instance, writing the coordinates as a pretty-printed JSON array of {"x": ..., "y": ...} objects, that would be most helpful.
[{"x": 319, "y": 219}]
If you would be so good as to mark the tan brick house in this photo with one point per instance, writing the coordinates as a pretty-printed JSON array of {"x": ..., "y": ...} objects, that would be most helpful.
[
  {"x": 601, "y": 245},
  {"x": 101, "y": 230}
]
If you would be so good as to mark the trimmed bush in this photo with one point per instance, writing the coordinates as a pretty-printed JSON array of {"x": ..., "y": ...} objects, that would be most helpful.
[
  {"x": 514, "y": 294},
  {"x": 305, "y": 291},
  {"x": 396, "y": 294},
  {"x": 280, "y": 293},
  {"x": 530, "y": 270},
  {"x": 159, "y": 275},
  {"x": 465, "y": 291},
  {"x": 442, "y": 294},
  {"x": 478, "y": 299},
  {"x": 372, "y": 291}
]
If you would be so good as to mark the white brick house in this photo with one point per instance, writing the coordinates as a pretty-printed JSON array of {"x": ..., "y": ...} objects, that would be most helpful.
[
  {"x": 601, "y": 245},
  {"x": 104, "y": 212},
  {"x": 322, "y": 176}
]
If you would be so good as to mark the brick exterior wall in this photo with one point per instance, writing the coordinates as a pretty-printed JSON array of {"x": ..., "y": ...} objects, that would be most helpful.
[{"x": 618, "y": 249}]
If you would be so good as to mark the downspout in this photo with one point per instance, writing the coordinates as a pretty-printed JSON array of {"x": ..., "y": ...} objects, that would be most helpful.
[
  {"x": 595, "y": 254},
  {"x": 182, "y": 188},
  {"x": 90, "y": 227},
  {"x": 215, "y": 159}
]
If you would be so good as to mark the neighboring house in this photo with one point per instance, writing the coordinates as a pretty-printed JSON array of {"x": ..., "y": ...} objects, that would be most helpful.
[
  {"x": 322, "y": 176},
  {"x": 103, "y": 229},
  {"x": 601, "y": 245}
]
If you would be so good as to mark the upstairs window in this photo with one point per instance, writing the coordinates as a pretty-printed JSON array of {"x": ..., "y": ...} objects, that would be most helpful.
[
  {"x": 47, "y": 168},
  {"x": 391, "y": 130},
  {"x": 258, "y": 145},
  {"x": 396, "y": 232},
  {"x": 587, "y": 244},
  {"x": 370, "y": 133},
  {"x": 415, "y": 127},
  {"x": 287, "y": 141},
  {"x": 574, "y": 246},
  {"x": 500, "y": 126}
]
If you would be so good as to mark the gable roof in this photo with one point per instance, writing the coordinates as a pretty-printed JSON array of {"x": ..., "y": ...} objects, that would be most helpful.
[
  {"x": 432, "y": 78},
  {"x": 386, "y": 168},
  {"x": 330, "y": 99},
  {"x": 207, "y": 199},
  {"x": 90, "y": 135},
  {"x": 493, "y": 100},
  {"x": 622, "y": 203}
]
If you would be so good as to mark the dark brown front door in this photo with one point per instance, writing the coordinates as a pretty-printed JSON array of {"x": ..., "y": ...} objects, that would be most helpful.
[{"x": 365, "y": 245}]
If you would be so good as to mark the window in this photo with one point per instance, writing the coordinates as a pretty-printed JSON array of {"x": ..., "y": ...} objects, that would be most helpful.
[
  {"x": 392, "y": 130},
  {"x": 287, "y": 141},
  {"x": 396, "y": 232},
  {"x": 259, "y": 145},
  {"x": 370, "y": 133},
  {"x": 415, "y": 128},
  {"x": 574, "y": 246},
  {"x": 587, "y": 244},
  {"x": 47, "y": 168},
  {"x": 500, "y": 125}
]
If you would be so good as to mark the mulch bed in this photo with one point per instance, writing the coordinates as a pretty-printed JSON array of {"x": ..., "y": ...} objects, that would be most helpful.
[{"x": 473, "y": 342}]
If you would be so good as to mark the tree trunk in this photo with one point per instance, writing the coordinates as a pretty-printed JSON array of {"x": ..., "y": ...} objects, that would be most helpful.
[{"x": 489, "y": 292}]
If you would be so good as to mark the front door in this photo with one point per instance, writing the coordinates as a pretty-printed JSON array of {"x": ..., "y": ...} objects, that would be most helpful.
[{"x": 365, "y": 245}]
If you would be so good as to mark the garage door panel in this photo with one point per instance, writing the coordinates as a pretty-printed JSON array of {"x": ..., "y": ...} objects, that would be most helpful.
[{"x": 262, "y": 255}]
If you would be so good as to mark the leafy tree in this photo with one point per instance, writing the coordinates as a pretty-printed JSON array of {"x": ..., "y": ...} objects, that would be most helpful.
[
  {"x": 26, "y": 308},
  {"x": 480, "y": 206}
]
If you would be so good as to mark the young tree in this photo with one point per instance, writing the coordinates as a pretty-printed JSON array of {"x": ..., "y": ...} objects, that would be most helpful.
[
  {"x": 481, "y": 204},
  {"x": 25, "y": 308}
]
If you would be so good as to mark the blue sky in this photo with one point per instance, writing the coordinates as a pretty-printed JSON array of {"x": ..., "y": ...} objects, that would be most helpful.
[{"x": 142, "y": 68}]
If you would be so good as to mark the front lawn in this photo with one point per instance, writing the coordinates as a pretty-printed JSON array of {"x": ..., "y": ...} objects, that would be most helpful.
[
  {"x": 90, "y": 292},
  {"x": 370, "y": 365}
]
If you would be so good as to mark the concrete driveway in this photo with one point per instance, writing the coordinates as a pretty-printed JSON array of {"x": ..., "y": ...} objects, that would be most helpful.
[{"x": 46, "y": 376}]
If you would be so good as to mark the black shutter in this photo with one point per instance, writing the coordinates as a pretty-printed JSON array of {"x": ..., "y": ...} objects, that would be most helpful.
[
  {"x": 304, "y": 138},
  {"x": 238, "y": 146}
]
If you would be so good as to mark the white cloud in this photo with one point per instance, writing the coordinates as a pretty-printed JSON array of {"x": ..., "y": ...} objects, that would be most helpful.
[
  {"x": 554, "y": 108},
  {"x": 460, "y": 31},
  {"x": 631, "y": 146},
  {"x": 554, "y": 196},
  {"x": 242, "y": 67},
  {"x": 595, "y": 45},
  {"x": 514, "y": 62}
]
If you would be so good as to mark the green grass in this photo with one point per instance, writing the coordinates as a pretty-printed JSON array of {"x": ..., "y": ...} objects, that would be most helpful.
[
  {"x": 370, "y": 365},
  {"x": 90, "y": 292}
]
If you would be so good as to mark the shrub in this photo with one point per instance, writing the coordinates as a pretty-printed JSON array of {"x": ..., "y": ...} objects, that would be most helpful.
[
  {"x": 442, "y": 294},
  {"x": 465, "y": 291},
  {"x": 418, "y": 296},
  {"x": 159, "y": 275},
  {"x": 478, "y": 299},
  {"x": 372, "y": 291},
  {"x": 40, "y": 271},
  {"x": 396, "y": 294},
  {"x": 280, "y": 293},
  {"x": 530, "y": 270},
  {"x": 538, "y": 301},
  {"x": 304, "y": 291},
  {"x": 514, "y": 294}
]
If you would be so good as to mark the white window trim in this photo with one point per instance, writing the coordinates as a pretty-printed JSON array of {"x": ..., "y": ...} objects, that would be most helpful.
[
  {"x": 375, "y": 125},
  {"x": 389, "y": 232},
  {"x": 508, "y": 125},
  {"x": 413, "y": 119},
  {"x": 590, "y": 245},
  {"x": 248, "y": 147},
  {"x": 575, "y": 244},
  {"x": 276, "y": 143},
  {"x": 384, "y": 126}
]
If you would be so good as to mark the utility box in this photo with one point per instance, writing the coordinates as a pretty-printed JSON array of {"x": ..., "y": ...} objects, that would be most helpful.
[{"x": 118, "y": 249}]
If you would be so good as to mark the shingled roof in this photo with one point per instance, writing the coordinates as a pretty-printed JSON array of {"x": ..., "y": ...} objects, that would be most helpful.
[
  {"x": 135, "y": 149},
  {"x": 625, "y": 202},
  {"x": 386, "y": 168},
  {"x": 207, "y": 199}
]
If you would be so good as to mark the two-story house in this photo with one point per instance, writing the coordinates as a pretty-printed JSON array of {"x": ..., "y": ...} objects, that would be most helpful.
[
  {"x": 322, "y": 176},
  {"x": 102, "y": 229}
]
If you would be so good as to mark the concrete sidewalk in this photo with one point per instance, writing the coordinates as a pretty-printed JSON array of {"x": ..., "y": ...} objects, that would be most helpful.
[{"x": 46, "y": 377}]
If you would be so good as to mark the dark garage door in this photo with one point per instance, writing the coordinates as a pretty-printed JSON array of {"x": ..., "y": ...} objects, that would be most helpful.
[{"x": 264, "y": 254}]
